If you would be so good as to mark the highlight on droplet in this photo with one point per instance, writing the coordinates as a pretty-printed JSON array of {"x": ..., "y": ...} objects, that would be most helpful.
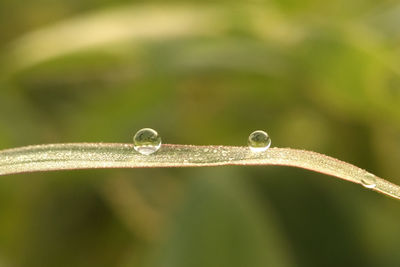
[
  {"x": 146, "y": 141},
  {"x": 259, "y": 141}
]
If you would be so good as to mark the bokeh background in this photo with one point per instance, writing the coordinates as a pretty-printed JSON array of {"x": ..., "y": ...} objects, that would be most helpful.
[{"x": 316, "y": 75}]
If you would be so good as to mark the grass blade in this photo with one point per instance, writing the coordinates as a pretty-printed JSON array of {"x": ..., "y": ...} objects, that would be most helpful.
[{"x": 101, "y": 155}]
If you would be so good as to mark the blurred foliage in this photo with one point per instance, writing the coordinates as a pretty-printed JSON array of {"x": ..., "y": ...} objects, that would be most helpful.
[{"x": 317, "y": 75}]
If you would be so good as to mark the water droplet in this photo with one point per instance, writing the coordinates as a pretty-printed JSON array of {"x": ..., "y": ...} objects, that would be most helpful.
[
  {"x": 369, "y": 181},
  {"x": 259, "y": 141},
  {"x": 146, "y": 141}
]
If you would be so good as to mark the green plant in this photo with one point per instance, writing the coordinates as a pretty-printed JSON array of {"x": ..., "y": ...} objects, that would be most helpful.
[{"x": 100, "y": 155}]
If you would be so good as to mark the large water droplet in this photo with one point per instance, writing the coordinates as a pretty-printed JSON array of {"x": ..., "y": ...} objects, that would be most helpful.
[
  {"x": 259, "y": 141},
  {"x": 146, "y": 141},
  {"x": 369, "y": 181}
]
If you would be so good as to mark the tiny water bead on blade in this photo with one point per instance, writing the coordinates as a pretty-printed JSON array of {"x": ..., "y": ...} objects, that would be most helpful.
[
  {"x": 259, "y": 141},
  {"x": 146, "y": 141},
  {"x": 369, "y": 181}
]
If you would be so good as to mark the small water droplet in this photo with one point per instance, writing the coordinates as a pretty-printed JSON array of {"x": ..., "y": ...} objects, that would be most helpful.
[
  {"x": 259, "y": 141},
  {"x": 146, "y": 141},
  {"x": 369, "y": 181}
]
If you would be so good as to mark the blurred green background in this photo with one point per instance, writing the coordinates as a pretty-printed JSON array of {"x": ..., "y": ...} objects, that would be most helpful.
[{"x": 316, "y": 75}]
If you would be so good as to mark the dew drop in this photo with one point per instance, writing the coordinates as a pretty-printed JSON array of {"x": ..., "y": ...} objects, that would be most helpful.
[
  {"x": 259, "y": 141},
  {"x": 369, "y": 181},
  {"x": 146, "y": 141}
]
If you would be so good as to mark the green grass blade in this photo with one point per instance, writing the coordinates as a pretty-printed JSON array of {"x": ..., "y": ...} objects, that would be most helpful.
[{"x": 101, "y": 155}]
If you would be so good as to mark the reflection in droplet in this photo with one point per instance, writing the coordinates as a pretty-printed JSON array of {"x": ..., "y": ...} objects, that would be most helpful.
[
  {"x": 146, "y": 141},
  {"x": 259, "y": 141},
  {"x": 369, "y": 181}
]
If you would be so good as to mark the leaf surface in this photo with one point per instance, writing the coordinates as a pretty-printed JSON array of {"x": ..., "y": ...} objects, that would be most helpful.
[{"x": 105, "y": 155}]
